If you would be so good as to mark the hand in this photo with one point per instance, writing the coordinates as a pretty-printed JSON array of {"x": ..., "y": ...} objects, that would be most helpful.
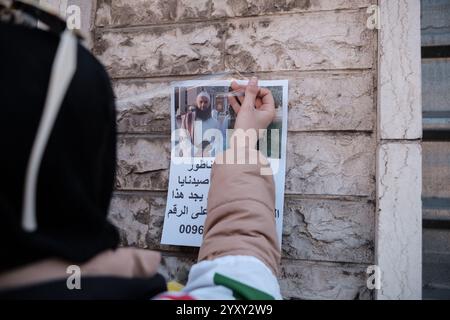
[{"x": 256, "y": 109}]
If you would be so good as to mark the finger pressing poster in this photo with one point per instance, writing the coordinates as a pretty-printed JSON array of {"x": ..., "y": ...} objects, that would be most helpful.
[{"x": 202, "y": 122}]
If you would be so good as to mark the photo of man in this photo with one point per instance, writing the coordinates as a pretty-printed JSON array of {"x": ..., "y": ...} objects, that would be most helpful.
[
  {"x": 205, "y": 118},
  {"x": 202, "y": 112},
  {"x": 196, "y": 121}
]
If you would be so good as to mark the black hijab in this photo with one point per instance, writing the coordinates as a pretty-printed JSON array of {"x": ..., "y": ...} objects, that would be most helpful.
[{"x": 76, "y": 175}]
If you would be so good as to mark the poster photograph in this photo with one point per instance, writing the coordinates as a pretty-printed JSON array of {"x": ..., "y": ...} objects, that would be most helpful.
[{"x": 202, "y": 122}]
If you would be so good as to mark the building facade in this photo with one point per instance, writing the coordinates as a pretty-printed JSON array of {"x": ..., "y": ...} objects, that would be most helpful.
[{"x": 353, "y": 178}]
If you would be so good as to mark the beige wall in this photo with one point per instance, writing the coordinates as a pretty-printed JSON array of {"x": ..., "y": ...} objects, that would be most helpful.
[
  {"x": 65, "y": 9},
  {"x": 329, "y": 55}
]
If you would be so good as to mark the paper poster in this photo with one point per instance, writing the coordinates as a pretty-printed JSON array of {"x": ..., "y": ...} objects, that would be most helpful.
[{"x": 201, "y": 119}]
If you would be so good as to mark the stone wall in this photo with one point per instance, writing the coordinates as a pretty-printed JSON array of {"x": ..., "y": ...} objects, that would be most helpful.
[{"x": 329, "y": 56}]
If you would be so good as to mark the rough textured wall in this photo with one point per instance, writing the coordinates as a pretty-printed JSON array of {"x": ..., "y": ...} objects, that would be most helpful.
[{"x": 329, "y": 56}]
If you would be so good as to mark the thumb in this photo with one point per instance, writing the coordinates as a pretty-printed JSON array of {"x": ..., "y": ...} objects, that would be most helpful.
[{"x": 250, "y": 94}]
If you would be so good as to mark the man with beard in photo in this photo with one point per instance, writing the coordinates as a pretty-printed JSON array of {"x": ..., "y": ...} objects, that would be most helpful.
[{"x": 197, "y": 121}]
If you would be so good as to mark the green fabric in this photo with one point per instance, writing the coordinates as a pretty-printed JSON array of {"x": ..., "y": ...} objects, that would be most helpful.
[{"x": 241, "y": 291}]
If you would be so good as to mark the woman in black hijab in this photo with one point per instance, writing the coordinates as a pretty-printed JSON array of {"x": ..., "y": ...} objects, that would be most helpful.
[{"x": 74, "y": 179}]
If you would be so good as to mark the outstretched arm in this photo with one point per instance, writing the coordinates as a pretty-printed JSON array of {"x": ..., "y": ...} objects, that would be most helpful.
[{"x": 240, "y": 254}]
